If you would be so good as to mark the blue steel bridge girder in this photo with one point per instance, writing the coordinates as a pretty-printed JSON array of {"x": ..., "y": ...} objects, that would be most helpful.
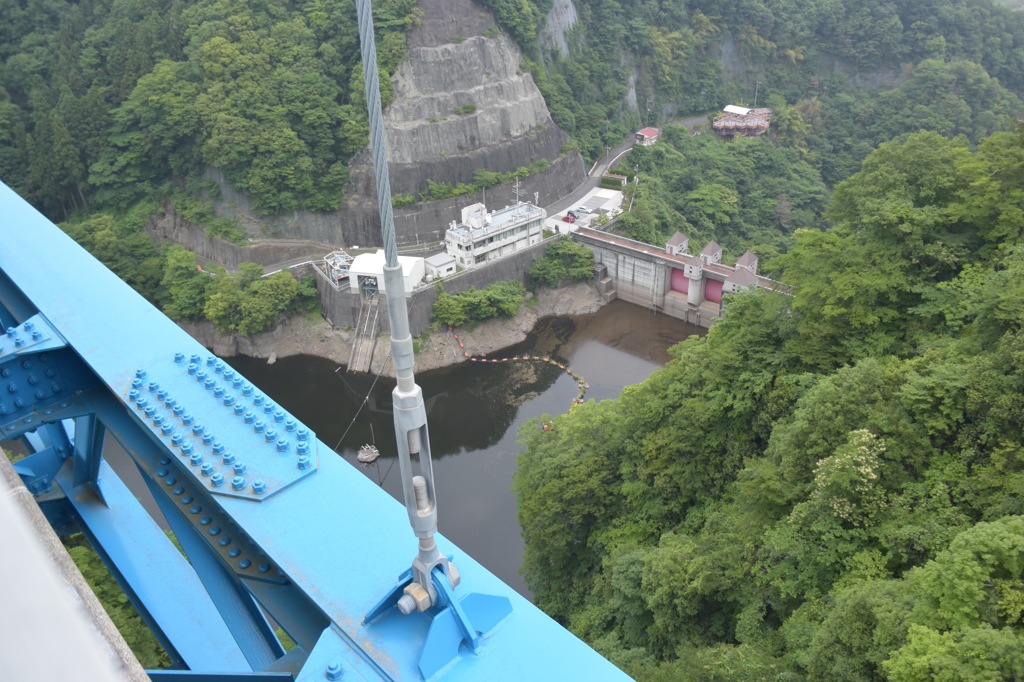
[{"x": 313, "y": 541}]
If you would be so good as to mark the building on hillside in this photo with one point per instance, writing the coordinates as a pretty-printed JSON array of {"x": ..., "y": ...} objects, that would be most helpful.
[
  {"x": 647, "y": 136},
  {"x": 440, "y": 265},
  {"x": 741, "y": 279},
  {"x": 711, "y": 254},
  {"x": 735, "y": 121},
  {"x": 677, "y": 244},
  {"x": 748, "y": 261},
  {"x": 483, "y": 236},
  {"x": 366, "y": 273}
]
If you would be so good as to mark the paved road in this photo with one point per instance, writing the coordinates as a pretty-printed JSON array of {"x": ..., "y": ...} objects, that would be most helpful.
[{"x": 610, "y": 159}]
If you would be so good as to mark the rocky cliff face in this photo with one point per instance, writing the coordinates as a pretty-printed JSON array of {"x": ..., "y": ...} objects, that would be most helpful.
[{"x": 462, "y": 102}]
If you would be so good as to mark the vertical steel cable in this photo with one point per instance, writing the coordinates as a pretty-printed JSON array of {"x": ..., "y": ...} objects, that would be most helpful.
[{"x": 378, "y": 143}]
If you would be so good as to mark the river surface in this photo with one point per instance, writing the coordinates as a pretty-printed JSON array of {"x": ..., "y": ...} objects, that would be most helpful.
[{"x": 474, "y": 412}]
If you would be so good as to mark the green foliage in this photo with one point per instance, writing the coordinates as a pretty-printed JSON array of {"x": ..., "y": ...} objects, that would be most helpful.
[
  {"x": 117, "y": 605},
  {"x": 482, "y": 179},
  {"x": 249, "y": 304},
  {"x": 465, "y": 109},
  {"x": 499, "y": 299},
  {"x": 563, "y": 260},
  {"x": 828, "y": 485}
]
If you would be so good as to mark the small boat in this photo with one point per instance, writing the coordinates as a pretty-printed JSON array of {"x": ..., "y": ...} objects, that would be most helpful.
[{"x": 368, "y": 454}]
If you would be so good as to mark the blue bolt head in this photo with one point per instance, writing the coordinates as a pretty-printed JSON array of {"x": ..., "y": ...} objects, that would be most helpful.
[
  {"x": 218, "y": 448},
  {"x": 12, "y": 331},
  {"x": 259, "y": 426},
  {"x": 225, "y": 541},
  {"x": 200, "y": 375},
  {"x": 282, "y": 445},
  {"x": 136, "y": 383},
  {"x": 36, "y": 335},
  {"x": 162, "y": 472},
  {"x": 195, "y": 509},
  {"x": 198, "y": 428},
  {"x": 238, "y": 409},
  {"x": 247, "y": 389},
  {"x": 150, "y": 411},
  {"x": 167, "y": 428},
  {"x": 187, "y": 449},
  {"x": 270, "y": 436},
  {"x": 250, "y": 416},
  {"x": 303, "y": 433},
  {"x": 193, "y": 368},
  {"x": 239, "y": 468},
  {"x": 40, "y": 394},
  {"x": 302, "y": 448},
  {"x": 178, "y": 410},
  {"x": 219, "y": 366},
  {"x": 234, "y": 552},
  {"x": 258, "y": 399},
  {"x": 176, "y": 439},
  {"x": 206, "y": 469},
  {"x": 207, "y": 438},
  {"x": 161, "y": 395},
  {"x": 210, "y": 360},
  {"x": 304, "y": 462},
  {"x": 244, "y": 563},
  {"x": 142, "y": 402},
  {"x": 179, "y": 357},
  {"x": 209, "y": 384},
  {"x": 259, "y": 487},
  {"x": 217, "y": 480},
  {"x": 334, "y": 672},
  {"x": 29, "y": 326},
  {"x": 238, "y": 482},
  {"x": 158, "y": 419},
  {"x": 205, "y": 521},
  {"x": 229, "y": 400},
  {"x": 153, "y": 386},
  {"x": 279, "y": 415},
  {"x": 237, "y": 382},
  {"x": 214, "y": 531},
  {"x": 140, "y": 373},
  {"x": 19, "y": 342},
  {"x": 291, "y": 425},
  {"x": 219, "y": 391},
  {"x": 133, "y": 394},
  {"x": 195, "y": 459},
  {"x": 229, "y": 458},
  {"x": 195, "y": 359},
  {"x": 228, "y": 373},
  {"x": 269, "y": 407},
  {"x": 187, "y": 418}
]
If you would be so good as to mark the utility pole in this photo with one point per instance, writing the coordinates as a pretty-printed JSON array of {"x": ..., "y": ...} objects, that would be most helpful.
[{"x": 757, "y": 85}]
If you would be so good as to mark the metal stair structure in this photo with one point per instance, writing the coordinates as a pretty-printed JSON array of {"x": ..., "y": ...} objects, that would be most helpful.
[{"x": 366, "y": 332}]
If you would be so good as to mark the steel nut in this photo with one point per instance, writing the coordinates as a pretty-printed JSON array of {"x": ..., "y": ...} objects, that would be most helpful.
[{"x": 419, "y": 595}]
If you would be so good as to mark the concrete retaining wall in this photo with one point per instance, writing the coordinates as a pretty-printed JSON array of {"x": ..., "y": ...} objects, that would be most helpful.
[{"x": 342, "y": 307}]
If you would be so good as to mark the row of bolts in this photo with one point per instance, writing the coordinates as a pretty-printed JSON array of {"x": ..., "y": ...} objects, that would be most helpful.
[{"x": 144, "y": 405}]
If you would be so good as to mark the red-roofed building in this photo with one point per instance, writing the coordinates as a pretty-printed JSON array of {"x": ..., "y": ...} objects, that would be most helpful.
[{"x": 647, "y": 136}]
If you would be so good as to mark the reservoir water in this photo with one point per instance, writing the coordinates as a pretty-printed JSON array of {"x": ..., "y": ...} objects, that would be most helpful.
[{"x": 474, "y": 412}]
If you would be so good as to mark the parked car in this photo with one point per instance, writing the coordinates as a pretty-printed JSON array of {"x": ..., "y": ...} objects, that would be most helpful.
[
  {"x": 568, "y": 218},
  {"x": 583, "y": 209},
  {"x": 572, "y": 213}
]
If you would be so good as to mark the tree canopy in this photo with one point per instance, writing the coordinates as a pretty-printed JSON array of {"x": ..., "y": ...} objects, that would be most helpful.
[{"x": 828, "y": 485}]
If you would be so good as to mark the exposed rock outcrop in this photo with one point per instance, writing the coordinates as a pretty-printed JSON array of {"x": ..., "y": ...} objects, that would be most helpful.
[{"x": 561, "y": 18}]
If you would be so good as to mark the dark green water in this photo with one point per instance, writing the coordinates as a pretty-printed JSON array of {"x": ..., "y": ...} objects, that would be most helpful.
[{"x": 473, "y": 414}]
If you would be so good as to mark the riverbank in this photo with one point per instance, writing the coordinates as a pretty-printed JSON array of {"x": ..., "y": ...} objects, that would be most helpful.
[{"x": 315, "y": 336}]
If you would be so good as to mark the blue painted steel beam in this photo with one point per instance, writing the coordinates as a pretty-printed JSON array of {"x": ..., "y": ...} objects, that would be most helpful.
[
  {"x": 154, "y": 573},
  {"x": 319, "y": 544}
]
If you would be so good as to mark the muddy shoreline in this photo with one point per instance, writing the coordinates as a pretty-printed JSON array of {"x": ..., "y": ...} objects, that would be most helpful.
[{"x": 315, "y": 336}]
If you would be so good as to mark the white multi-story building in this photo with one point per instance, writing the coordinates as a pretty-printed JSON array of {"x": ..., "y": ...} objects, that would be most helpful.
[{"x": 483, "y": 236}]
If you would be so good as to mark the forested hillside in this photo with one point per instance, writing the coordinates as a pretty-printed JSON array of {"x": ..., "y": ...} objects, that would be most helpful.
[
  {"x": 106, "y": 102},
  {"x": 829, "y": 486}
]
